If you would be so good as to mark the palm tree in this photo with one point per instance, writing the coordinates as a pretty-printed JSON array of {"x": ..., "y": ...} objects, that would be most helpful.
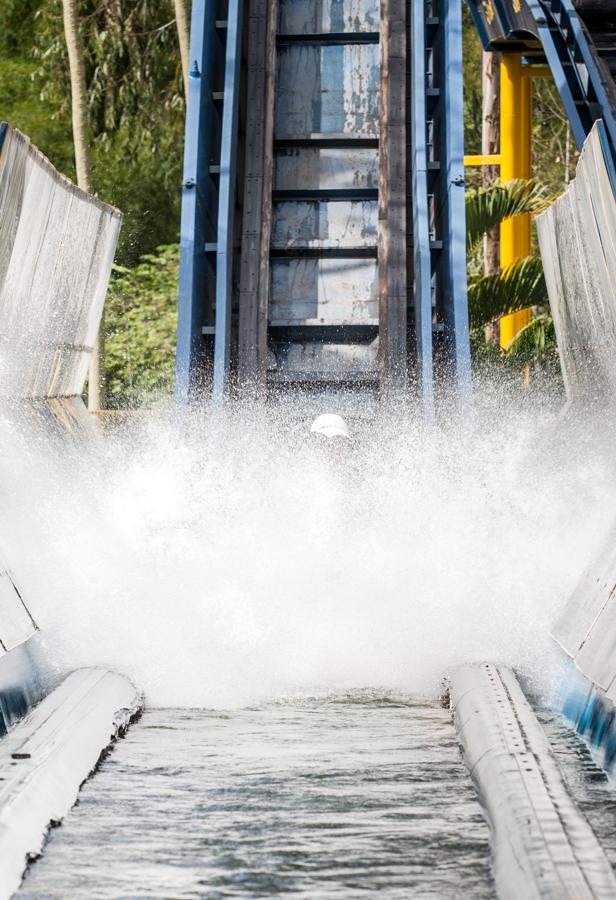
[
  {"x": 522, "y": 283},
  {"x": 83, "y": 164}
]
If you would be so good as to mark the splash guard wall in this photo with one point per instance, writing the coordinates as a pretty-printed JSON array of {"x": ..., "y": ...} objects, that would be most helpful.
[{"x": 56, "y": 251}]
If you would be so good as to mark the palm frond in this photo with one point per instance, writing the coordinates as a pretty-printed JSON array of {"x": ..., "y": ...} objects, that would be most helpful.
[
  {"x": 519, "y": 285},
  {"x": 535, "y": 338},
  {"x": 488, "y": 207}
]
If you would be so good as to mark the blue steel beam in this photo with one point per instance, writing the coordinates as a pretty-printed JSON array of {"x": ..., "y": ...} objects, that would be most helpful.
[
  {"x": 226, "y": 202},
  {"x": 437, "y": 146},
  {"x": 568, "y": 49},
  {"x": 419, "y": 193},
  {"x": 199, "y": 199},
  {"x": 455, "y": 300}
]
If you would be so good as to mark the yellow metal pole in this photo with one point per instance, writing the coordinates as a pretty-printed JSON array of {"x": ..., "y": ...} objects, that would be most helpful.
[
  {"x": 481, "y": 159},
  {"x": 515, "y": 162}
]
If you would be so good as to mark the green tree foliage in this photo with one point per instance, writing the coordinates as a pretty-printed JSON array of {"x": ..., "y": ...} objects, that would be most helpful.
[
  {"x": 135, "y": 108},
  {"x": 136, "y": 122},
  {"x": 135, "y": 104},
  {"x": 554, "y": 152},
  {"x": 488, "y": 207},
  {"x": 519, "y": 285},
  {"x": 21, "y": 103},
  {"x": 141, "y": 314}
]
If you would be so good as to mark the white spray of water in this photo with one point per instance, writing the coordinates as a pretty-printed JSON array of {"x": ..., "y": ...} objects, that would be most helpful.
[{"x": 245, "y": 560}]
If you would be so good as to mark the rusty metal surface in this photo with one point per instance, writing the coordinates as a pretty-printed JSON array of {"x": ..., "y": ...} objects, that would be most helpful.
[
  {"x": 324, "y": 292},
  {"x": 332, "y": 90},
  {"x": 325, "y": 89},
  {"x": 322, "y": 224},
  {"x": 325, "y": 168},
  {"x": 314, "y": 16}
]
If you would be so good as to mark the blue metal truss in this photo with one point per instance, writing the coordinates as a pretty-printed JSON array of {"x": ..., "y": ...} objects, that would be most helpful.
[
  {"x": 226, "y": 203},
  {"x": 571, "y": 55},
  {"x": 199, "y": 201},
  {"x": 208, "y": 198},
  {"x": 437, "y": 163}
]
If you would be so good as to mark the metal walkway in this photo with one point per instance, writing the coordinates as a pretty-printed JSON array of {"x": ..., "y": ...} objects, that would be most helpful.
[{"x": 323, "y": 177}]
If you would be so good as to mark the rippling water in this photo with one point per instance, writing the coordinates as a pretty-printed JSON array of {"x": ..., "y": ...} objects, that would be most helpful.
[{"x": 323, "y": 797}]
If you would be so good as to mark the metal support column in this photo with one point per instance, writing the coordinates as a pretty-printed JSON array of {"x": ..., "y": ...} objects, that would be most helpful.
[
  {"x": 515, "y": 162},
  {"x": 199, "y": 198},
  {"x": 226, "y": 203},
  {"x": 422, "y": 268},
  {"x": 438, "y": 191},
  {"x": 455, "y": 301}
]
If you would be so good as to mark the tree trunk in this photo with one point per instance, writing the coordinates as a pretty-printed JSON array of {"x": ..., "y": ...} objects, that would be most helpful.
[
  {"x": 183, "y": 29},
  {"x": 490, "y": 143},
  {"x": 83, "y": 164}
]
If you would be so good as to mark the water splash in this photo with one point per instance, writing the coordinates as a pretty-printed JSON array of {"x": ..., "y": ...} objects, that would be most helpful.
[{"x": 244, "y": 560}]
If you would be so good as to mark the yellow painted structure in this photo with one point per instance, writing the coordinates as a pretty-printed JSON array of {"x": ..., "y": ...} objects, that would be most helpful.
[
  {"x": 489, "y": 159},
  {"x": 515, "y": 124},
  {"x": 515, "y": 162}
]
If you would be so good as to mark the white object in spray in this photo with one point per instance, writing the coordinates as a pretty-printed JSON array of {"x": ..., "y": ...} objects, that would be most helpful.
[{"x": 330, "y": 425}]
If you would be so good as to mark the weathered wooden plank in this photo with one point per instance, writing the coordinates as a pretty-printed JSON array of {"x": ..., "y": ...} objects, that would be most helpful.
[
  {"x": 268, "y": 176},
  {"x": 256, "y": 225},
  {"x": 392, "y": 226}
]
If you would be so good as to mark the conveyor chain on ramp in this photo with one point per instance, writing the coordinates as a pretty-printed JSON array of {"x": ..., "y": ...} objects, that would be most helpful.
[
  {"x": 322, "y": 238},
  {"x": 542, "y": 845}
]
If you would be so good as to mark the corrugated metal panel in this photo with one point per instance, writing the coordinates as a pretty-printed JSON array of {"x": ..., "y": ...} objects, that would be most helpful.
[
  {"x": 56, "y": 251},
  {"x": 332, "y": 90},
  {"x": 325, "y": 168},
  {"x": 324, "y": 292},
  {"x": 310, "y": 17},
  {"x": 337, "y": 224}
]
